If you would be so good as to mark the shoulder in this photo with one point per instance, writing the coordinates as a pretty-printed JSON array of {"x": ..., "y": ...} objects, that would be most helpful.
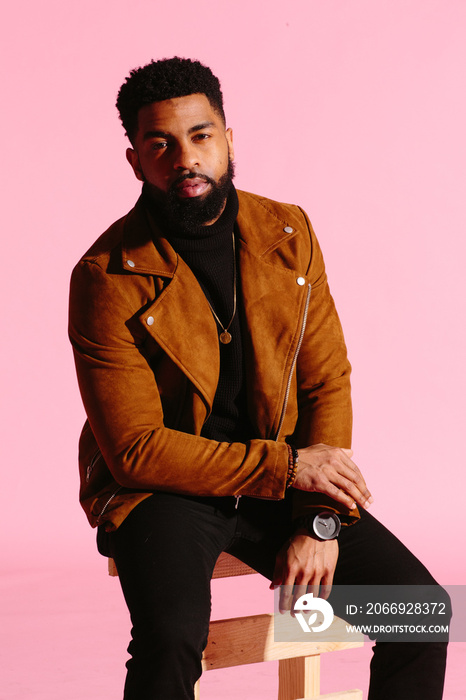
[
  {"x": 106, "y": 242},
  {"x": 112, "y": 253},
  {"x": 270, "y": 226},
  {"x": 280, "y": 231},
  {"x": 113, "y": 238},
  {"x": 101, "y": 266}
]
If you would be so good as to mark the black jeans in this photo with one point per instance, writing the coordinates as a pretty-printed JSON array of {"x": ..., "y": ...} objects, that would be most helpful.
[{"x": 165, "y": 552}]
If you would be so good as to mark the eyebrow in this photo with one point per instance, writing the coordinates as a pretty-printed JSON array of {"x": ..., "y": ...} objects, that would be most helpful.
[{"x": 165, "y": 135}]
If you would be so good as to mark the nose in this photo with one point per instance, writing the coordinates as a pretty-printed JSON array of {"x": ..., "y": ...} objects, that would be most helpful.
[{"x": 186, "y": 157}]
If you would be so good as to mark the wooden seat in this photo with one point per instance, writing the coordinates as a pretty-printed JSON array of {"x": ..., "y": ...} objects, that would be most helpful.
[{"x": 247, "y": 640}]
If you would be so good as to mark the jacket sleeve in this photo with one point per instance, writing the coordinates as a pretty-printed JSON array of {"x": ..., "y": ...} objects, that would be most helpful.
[
  {"x": 124, "y": 408},
  {"x": 323, "y": 382}
]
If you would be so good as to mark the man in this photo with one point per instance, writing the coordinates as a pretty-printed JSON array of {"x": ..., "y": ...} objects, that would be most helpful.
[{"x": 214, "y": 374}]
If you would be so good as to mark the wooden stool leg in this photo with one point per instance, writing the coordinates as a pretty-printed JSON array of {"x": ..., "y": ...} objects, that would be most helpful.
[{"x": 299, "y": 678}]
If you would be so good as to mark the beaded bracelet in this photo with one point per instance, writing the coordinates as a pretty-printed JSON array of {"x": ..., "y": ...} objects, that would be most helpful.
[{"x": 293, "y": 459}]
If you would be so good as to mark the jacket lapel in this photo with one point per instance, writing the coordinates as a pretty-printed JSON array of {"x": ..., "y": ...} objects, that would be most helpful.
[
  {"x": 179, "y": 319},
  {"x": 181, "y": 322}
]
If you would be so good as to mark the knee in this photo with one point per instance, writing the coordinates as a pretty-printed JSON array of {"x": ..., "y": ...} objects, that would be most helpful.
[
  {"x": 170, "y": 637},
  {"x": 442, "y": 598}
]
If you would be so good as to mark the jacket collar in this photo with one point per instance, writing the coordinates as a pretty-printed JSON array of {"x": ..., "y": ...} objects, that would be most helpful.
[
  {"x": 261, "y": 228},
  {"x": 145, "y": 249}
]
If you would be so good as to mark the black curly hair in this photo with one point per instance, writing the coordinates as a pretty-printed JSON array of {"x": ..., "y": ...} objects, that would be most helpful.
[{"x": 163, "y": 80}]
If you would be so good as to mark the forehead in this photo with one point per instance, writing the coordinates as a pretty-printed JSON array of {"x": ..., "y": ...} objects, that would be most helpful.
[{"x": 177, "y": 115}]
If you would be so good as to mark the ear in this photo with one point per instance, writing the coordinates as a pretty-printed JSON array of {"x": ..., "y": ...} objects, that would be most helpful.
[
  {"x": 229, "y": 138},
  {"x": 133, "y": 159}
]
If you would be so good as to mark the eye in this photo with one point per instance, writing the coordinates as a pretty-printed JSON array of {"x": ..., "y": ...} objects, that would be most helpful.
[
  {"x": 201, "y": 137},
  {"x": 159, "y": 145}
]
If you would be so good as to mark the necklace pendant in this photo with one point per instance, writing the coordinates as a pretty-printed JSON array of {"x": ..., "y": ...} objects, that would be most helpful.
[{"x": 225, "y": 337}]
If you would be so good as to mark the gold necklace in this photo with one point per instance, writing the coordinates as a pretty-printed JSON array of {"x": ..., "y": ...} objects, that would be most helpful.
[{"x": 225, "y": 336}]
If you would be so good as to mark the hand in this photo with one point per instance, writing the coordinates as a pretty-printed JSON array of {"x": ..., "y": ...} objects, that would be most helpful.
[
  {"x": 304, "y": 561},
  {"x": 330, "y": 470}
]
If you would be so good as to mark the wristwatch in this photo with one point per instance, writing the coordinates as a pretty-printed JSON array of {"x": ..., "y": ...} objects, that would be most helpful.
[{"x": 326, "y": 525}]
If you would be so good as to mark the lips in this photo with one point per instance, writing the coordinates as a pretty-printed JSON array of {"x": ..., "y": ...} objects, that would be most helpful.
[{"x": 192, "y": 187}]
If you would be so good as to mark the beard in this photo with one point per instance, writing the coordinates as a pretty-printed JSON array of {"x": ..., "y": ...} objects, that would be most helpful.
[{"x": 184, "y": 215}]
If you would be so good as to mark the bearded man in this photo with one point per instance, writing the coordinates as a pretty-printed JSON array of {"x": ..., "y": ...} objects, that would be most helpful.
[{"x": 214, "y": 374}]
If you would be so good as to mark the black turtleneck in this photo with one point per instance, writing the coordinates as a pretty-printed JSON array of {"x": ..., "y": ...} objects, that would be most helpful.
[{"x": 208, "y": 251}]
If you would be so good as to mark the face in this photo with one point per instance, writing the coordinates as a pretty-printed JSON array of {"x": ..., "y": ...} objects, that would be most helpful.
[{"x": 184, "y": 154}]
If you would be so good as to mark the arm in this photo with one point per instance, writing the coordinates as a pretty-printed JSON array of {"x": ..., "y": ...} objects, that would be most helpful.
[
  {"x": 323, "y": 431},
  {"x": 124, "y": 405},
  {"x": 326, "y": 478}
]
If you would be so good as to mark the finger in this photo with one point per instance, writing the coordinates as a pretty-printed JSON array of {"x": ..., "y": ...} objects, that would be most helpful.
[
  {"x": 347, "y": 476},
  {"x": 277, "y": 577},
  {"x": 337, "y": 494},
  {"x": 285, "y": 601},
  {"x": 316, "y": 580},
  {"x": 355, "y": 475},
  {"x": 325, "y": 590},
  {"x": 347, "y": 451},
  {"x": 309, "y": 581},
  {"x": 298, "y": 591},
  {"x": 352, "y": 469},
  {"x": 341, "y": 482},
  {"x": 362, "y": 497},
  {"x": 326, "y": 584}
]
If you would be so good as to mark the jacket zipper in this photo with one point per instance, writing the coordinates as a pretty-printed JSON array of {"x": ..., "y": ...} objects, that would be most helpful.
[
  {"x": 92, "y": 464},
  {"x": 89, "y": 471},
  {"x": 295, "y": 357},
  {"x": 107, "y": 504}
]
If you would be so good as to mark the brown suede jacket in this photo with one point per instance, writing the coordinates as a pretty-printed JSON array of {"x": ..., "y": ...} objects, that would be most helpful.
[{"x": 147, "y": 358}]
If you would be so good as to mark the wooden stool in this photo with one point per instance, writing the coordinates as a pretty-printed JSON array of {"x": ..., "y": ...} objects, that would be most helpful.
[{"x": 248, "y": 640}]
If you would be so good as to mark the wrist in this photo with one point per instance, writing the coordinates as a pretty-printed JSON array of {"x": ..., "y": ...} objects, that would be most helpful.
[
  {"x": 293, "y": 460},
  {"x": 322, "y": 524}
]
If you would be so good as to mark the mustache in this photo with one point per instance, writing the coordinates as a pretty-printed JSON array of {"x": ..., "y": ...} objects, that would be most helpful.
[{"x": 191, "y": 176}]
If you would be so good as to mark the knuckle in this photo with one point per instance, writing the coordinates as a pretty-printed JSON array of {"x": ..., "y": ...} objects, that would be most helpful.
[{"x": 320, "y": 482}]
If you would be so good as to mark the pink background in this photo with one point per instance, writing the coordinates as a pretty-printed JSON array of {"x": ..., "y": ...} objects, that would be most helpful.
[{"x": 356, "y": 110}]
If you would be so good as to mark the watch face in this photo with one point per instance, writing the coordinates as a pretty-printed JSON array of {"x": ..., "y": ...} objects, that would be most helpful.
[{"x": 327, "y": 525}]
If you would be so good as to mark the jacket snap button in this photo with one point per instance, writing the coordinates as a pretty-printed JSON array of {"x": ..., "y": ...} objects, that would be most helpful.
[
  {"x": 150, "y": 320},
  {"x": 130, "y": 263},
  {"x": 301, "y": 281},
  {"x": 288, "y": 229}
]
